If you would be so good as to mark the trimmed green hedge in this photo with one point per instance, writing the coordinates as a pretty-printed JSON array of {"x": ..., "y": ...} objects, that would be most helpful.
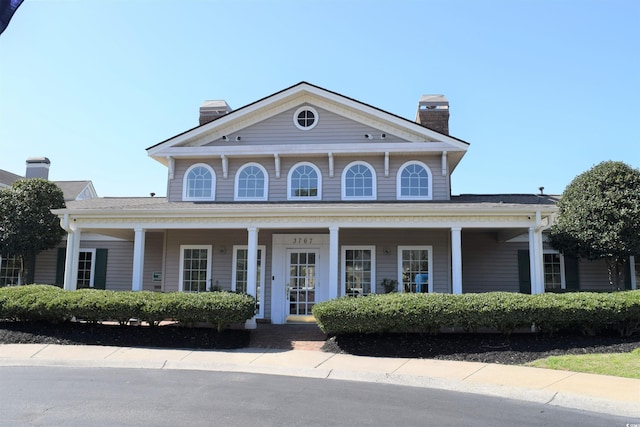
[
  {"x": 50, "y": 303},
  {"x": 589, "y": 313}
]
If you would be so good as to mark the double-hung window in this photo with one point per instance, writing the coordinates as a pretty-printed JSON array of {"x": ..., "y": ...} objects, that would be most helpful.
[
  {"x": 9, "y": 271},
  {"x": 415, "y": 268},
  {"x": 195, "y": 268},
  {"x": 358, "y": 270},
  {"x": 240, "y": 273}
]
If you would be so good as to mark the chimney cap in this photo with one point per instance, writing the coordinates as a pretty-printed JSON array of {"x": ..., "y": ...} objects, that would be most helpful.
[
  {"x": 38, "y": 160},
  {"x": 218, "y": 106},
  {"x": 428, "y": 102}
]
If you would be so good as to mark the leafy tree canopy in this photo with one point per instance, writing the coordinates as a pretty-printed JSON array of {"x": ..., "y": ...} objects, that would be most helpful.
[
  {"x": 599, "y": 216},
  {"x": 27, "y": 225}
]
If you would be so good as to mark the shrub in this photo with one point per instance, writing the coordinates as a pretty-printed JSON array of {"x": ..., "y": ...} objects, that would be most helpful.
[
  {"x": 50, "y": 303},
  {"x": 590, "y": 313},
  {"x": 32, "y": 303}
]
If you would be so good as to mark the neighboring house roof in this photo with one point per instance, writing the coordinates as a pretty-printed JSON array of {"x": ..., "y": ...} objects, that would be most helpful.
[
  {"x": 72, "y": 190},
  {"x": 7, "y": 178},
  {"x": 77, "y": 190}
]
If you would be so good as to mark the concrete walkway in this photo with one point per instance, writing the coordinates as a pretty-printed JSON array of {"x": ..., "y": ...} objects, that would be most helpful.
[{"x": 597, "y": 393}]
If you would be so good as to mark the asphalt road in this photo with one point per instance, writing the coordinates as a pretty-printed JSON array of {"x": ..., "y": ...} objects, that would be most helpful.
[{"x": 47, "y": 396}]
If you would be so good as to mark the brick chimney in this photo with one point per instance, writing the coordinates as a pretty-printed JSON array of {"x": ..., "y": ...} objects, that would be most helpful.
[
  {"x": 38, "y": 167},
  {"x": 433, "y": 113},
  {"x": 211, "y": 110}
]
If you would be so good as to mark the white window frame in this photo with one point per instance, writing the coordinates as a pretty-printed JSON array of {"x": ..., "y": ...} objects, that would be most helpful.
[
  {"x": 265, "y": 188},
  {"x": 399, "y": 195},
  {"x": 19, "y": 279},
  {"x": 374, "y": 183},
  {"x": 563, "y": 282},
  {"x": 209, "y": 249},
  {"x": 92, "y": 272},
  {"x": 429, "y": 249},
  {"x": 185, "y": 183},
  {"x": 300, "y": 110},
  {"x": 263, "y": 250},
  {"x": 289, "y": 186},
  {"x": 343, "y": 280}
]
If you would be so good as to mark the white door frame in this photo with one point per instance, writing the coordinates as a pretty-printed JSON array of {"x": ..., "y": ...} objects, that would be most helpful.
[{"x": 298, "y": 241}]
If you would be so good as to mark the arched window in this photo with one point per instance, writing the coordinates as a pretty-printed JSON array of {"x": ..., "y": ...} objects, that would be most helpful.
[
  {"x": 251, "y": 182},
  {"x": 199, "y": 183},
  {"x": 358, "y": 182},
  {"x": 414, "y": 181},
  {"x": 305, "y": 182}
]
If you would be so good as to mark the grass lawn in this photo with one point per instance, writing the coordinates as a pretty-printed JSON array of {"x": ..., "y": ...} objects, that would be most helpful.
[{"x": 617, "y": 364}]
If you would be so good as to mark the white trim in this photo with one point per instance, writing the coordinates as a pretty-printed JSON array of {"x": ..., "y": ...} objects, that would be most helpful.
[
  {"x": 399, "y": 195},
  {"x": 185, "y": 195},
  {"x": 265, "y": 189},
  {"x": 319, "y": 174},
  {"x": 137, "y": 279},
  {"x": 429, "y": 249},
  {"x": 456, "y": 260},
  {"x": 263, "y": 251},
  {"x": 209, "y": 249},
  {"x": 316, "y": 118},
  {"x": 374, "y": 182},
  {"x": 343, "y": 266}
]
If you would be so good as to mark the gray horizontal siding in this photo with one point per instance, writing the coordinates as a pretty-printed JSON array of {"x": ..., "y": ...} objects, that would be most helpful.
[
  {"x": 331, "y": 186},
  {"x": 331, "y": 129},
  {"x": 489, "y": 265},
  {"x": 153, "y": 257},
  {"x": 119, "y": 263}
]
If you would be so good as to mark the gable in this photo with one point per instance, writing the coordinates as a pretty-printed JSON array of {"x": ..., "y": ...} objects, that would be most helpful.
[{"x": 350, "y": 116}]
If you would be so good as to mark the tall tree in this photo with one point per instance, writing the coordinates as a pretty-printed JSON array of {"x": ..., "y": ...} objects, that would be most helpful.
[
  {"x": 599, "y": 217},
  {"x": 27, "y": 225}
]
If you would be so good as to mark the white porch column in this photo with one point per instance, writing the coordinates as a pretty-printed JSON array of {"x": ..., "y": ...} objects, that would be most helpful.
[
  {"x": 252, "y": 270},
  {"x": 138, "y": 260},
  {"x": 71, "y": 260},
  {"x": 536, "y": 264},
  {"x": 456, "y": 259},
  {"x": 334, "y": 256}
]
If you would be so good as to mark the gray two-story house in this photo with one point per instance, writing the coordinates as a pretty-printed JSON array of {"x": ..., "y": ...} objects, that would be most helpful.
[{"x": 307, "y": 195}]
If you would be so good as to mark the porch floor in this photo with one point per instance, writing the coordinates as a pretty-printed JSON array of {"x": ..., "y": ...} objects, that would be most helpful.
[{"x": 287, "y": 337}]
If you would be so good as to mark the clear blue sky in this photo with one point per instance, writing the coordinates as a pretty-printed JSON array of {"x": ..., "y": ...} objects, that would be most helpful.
[{"x": 542, "y": 89}]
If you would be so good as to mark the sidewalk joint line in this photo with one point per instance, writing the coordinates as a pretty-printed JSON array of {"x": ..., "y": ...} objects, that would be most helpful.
[
  {"x": 37, "y": 352},
  {"x": 394, "y": 371},
  {"x": 475, "y": 372},
  {"x": 571, "y": 374},
  {"x": 326, "y": 360}
]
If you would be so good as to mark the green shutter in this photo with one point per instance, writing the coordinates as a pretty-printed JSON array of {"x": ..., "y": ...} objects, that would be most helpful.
[
  {"x": 627, "y": 275},
  {"x": 60, "y": 265},
  {"x": 524, "y": 271},
  {"x": 100, "y": 279},
  {"x": 571, "y": 273}
]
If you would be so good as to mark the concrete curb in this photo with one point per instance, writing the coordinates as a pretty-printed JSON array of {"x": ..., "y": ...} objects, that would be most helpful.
[{"x": 595, "y": 393}]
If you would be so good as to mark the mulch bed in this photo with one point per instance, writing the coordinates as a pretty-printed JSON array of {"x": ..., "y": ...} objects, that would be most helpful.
[
  {"x": 77, "y": 333},
  {"x": 487, "y": 348}
]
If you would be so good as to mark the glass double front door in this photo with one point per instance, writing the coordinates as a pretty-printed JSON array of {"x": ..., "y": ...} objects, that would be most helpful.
[{"x": 302, "y": 280}]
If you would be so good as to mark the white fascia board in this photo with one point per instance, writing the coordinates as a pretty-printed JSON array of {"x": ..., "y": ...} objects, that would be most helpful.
[{"x": 311, "y": 149}]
